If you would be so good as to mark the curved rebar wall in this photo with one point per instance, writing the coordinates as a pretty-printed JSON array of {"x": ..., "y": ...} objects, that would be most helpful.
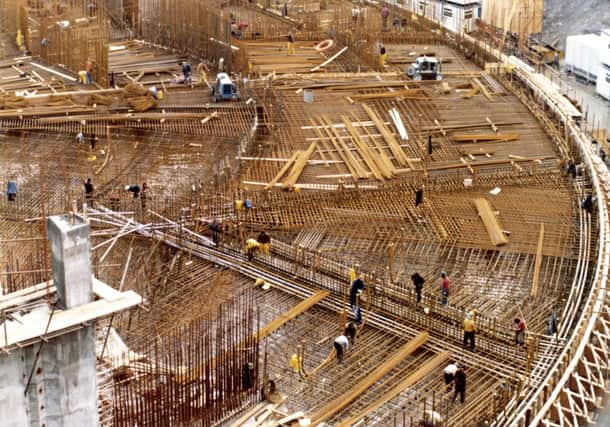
[{"x": 574, "y": 382}]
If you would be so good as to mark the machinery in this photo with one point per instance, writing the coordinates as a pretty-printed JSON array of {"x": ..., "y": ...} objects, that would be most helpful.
[
  {"x": 425, "y": 68},
  {"x": 224, "y": 89}
]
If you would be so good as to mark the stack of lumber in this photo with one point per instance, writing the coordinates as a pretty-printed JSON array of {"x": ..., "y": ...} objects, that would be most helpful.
[
  {"x": 492, "y": 225},
  {"x": 296, "y": 164},
  {"x": 389, "y": 138},
  {"x": 267, "y": 57},
  {"x": 380, "y": 165},
  {"x": 10, "y": 102}
]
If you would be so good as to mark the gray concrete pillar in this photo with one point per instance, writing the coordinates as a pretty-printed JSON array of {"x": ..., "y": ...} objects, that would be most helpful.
[{"x": 70, "y": 251}]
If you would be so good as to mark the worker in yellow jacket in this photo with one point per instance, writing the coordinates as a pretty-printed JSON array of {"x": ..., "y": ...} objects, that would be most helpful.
[
  {"x": 252, "y": 246},
  {"x": 382, "y": 57},
  {"x": 19, "y": 40},
  {"x": 470, "y": 329}
]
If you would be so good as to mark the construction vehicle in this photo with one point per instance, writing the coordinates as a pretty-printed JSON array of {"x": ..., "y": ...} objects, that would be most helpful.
[
  {"x": 224, "y": 89},
  {"x": 425, "y": 68}
]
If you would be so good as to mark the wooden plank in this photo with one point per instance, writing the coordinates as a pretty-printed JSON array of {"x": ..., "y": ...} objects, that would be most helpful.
[
  {"x": 538, "y": 262},
  {"x": 334, "y": 406},
  {"x": 484, "y": 137},
  {"x": 298, "y": 309},
  {"x": 421, "y": 372},
  {"x": 329, "y": 60},
  {"x": 405, "y": 93},
  {"x": 299, "y": 164},
  {"x": 492, "y": 225},
  {"x": 282, "y": 171}
]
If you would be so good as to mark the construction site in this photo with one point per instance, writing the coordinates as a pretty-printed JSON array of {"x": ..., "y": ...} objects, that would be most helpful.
[{"x": 201, "y": 196}]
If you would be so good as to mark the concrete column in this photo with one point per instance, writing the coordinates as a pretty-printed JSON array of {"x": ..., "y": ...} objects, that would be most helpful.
[{"x": 70, "y": 251}]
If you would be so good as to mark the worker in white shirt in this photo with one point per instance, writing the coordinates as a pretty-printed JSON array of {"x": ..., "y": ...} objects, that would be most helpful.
[
  {"x": 449, "y": 374},
  {"x": 341, "y": 346}
]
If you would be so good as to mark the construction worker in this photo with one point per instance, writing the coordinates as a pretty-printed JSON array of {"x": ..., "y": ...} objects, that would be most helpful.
[
  {"x": 89, "y": 70},
  {"x": 449, "y": 374},
  {"x": 291, "y": 50},
  {"x": 133, "y": 188},
  {"x": 215, "y": 229},
  {"x": 460, "y": 384},
  {"x": 418, "y": 283},
  {"x": 247, "y": 375},
  {"x": 80, "y": 137},
  {"x": 265, "y": 242},
  {"x": 89, "y": 192},
  {"x": 350, "y": 332},
  {"x": 11, "y": 191},
  {"x": 186, "y": 71},
  {"x": 252, "y": 246},
  {"x": 445, "y": 284},
  {"x": 552, "y": 324},
  {"x": 385, "y": 13},
  {"x": 556, "y": 60},
  {"x": 396, "y": 23},
  {"x": 519, "y": 327},
  {"x": 382, "y": 56},
  {"x": 431, "y": 419},
  {"x": 295, "y": 363},
  {"x": 587, "y": 203},
  {"x": 341, "y": 345},
  {"x": 355, "y": 290},
  {"x": 82, "y": 77},
  {"x": 19, "y": 39},
  {"x": 353, "y": 273},
  {"x": 470, "y": 329},
  {"x": 419, "y": 195},
  {"x": 355, "y": 15}
]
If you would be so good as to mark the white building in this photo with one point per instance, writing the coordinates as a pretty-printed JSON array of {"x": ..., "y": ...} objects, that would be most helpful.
[
  {"x": 584, "y": 54},
  {"x": 456, "y": 15},
  {"x": 602, "y": 86}
]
